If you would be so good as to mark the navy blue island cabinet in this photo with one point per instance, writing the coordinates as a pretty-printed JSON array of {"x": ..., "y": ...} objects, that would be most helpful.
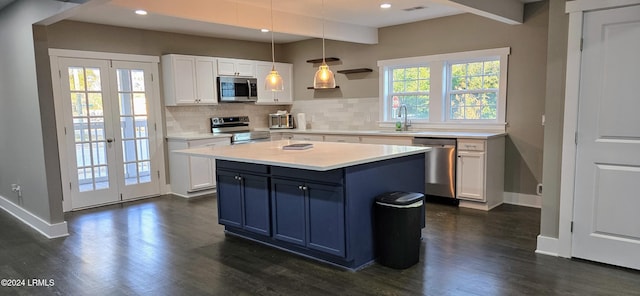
[{"x": 324, "y": 215}]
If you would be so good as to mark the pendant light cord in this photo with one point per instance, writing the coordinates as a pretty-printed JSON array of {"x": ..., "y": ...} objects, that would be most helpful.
[
  {"x": 323, "y": 21},
  {"x": 273, "y": 55}
]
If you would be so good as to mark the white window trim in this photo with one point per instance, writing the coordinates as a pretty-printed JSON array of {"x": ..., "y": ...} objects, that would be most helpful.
[{"x": 438, "y": 102}]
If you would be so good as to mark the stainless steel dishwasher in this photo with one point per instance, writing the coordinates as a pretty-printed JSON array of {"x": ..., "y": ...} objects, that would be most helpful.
[{"x": 440, "y": 166}]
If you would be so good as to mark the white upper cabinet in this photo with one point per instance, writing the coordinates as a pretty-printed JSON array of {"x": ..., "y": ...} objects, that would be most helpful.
[
  {"x": 189, "y": 80},
  {"x": 266, "y": 97},
  {"x": 236, "y": 67}
]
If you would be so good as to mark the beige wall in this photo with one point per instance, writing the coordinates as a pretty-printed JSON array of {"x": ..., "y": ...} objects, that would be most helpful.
[
  {"x": 554, "y": 112},
  {"x": 527, "y": 73}
]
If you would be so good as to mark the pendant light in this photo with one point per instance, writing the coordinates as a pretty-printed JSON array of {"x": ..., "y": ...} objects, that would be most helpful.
[
  {"x": 324, "y": 77},
  {"x": 273, "y": 82}
]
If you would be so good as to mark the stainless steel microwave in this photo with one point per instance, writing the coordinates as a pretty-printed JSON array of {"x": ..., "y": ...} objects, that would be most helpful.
[{"x": 236, "y": 89}]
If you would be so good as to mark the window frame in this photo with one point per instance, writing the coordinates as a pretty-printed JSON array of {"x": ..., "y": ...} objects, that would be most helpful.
[{"x": 440, "y": 79}]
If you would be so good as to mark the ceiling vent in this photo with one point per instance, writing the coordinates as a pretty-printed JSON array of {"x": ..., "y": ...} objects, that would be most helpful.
[{"x": 414, "y": 8}]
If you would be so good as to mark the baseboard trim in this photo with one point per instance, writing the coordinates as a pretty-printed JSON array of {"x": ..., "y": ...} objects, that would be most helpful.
[
  {"x": 547, "y": 246},
  {"x": 525, "y": 200},
  {"x": 33, "y": 221}
]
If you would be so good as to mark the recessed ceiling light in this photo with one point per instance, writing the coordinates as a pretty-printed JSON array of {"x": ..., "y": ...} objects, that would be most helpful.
[
  {"x": 385, "y": 5},
  {"x": 264, "y": 30},
  {"x": 141, "y": 12}
]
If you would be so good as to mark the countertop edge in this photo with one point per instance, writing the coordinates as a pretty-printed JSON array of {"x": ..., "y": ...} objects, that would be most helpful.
[{"x": 411, "y": 134}]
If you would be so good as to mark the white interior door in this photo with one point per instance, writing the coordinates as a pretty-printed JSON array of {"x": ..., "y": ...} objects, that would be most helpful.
[
  {"x": 110, "y": 130},
  {"x": 607, "y": 188}
]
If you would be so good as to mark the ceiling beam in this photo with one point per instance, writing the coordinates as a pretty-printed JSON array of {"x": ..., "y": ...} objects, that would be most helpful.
[
  {"x": 233, "y": 13},
  {"x": 506, "y": 11}
]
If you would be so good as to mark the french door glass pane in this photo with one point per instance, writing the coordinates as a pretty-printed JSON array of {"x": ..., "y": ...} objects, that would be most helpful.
[
  {"x": 134, "y": 130},
  {"x": 88, "y": 128}
]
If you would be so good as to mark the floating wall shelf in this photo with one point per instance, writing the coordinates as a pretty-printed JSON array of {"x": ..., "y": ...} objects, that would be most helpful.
[
  {"x": 318, "y": 61},
  {"x": 352, "y": 71},
  {"x": 311, "y": 87}
]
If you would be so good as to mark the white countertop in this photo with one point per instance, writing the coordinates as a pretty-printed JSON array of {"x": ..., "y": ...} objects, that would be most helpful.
[
  {"x": 323, "y": 156},
  {"x": 196, "y": 136},
  {"x": 430, "y": 134}
]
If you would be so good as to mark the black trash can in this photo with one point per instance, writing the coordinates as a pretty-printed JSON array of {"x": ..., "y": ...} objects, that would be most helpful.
[{"x": 398, "y": 220}]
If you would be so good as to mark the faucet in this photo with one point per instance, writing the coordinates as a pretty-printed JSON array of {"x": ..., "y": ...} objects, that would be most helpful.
[{"x": 407, "y": 123}]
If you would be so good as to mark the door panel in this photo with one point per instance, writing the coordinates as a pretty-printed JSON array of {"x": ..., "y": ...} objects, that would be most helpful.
[
  {"x": 90, "y": 146},
  {"x": 256, "y": 204},
  {"x": 288, "y": 204},
  {"x": 606, "y": 223},
  {"x": 326, "y": 219},
  {"x": 229, "y": 199},
  {"x": 139, "y": 174}
]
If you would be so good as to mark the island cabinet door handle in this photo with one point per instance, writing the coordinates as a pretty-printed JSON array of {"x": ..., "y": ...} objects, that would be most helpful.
[{"x": 302, "y": 187}]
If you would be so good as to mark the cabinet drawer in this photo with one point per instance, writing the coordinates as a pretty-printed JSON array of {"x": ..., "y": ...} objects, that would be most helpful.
[
  {"x": 342, "y": 139},
  {"x": 307, "y": 137},
  {"x": 470, "y": 145},
  {"x": 209, "y": 142},
  {"x": 333, "y": 176},
  {"x": 242, "y": 166}
]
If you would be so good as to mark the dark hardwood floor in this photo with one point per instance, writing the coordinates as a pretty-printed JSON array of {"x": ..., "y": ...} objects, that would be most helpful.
[{"x": 172, "y": 246}]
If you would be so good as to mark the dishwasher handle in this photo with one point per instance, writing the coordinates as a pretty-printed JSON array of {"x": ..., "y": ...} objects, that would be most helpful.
[{"x": 437, "y": 146}]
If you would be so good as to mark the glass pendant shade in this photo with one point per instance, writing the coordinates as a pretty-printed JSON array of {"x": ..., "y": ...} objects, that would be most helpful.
[
  {"x": 324, "y": 77},
  {"x": 273, "y": 82}
]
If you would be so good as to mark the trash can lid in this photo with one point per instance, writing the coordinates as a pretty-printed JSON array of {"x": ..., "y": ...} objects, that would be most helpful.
[{"x": 399, "y": 198}]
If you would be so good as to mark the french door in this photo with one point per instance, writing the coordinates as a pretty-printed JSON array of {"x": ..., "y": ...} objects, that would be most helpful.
[{"x": 110, "y": 131}]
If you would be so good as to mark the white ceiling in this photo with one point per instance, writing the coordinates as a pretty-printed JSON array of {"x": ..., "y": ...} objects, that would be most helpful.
[{"x": 352, "y": 20}]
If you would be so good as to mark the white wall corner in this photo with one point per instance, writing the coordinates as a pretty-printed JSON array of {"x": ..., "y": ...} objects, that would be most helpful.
[
  {"x": 35, "y": 222},
  {"x": 547, "y": 246},
  {"x": 520, "y": 199}
]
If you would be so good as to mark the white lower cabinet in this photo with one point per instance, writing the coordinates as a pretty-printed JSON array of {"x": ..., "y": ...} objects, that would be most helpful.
[
  {"x": 470, "y": 175},
  {"x": 342, "y": 139},
  {"x": 480, "y": 173},
  {"x": 307, "y": 137},
  {"x": 192, "y": 175}
]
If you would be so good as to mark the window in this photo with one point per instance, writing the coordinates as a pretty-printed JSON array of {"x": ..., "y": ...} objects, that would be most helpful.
[
  {"x": 410, "y": 87},
  {"x": 448, "y": 89},
  {"x": 473, "y": 90}
]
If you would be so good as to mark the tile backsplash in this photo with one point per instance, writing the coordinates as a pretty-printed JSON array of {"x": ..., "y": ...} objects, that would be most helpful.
[
  {"x": 195, "y": 119},
  {"x": 339, "y": 114},
  {"x": 322, "y": 114}
]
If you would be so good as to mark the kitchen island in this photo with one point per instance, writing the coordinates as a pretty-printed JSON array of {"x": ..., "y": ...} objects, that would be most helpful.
[{"x": 316, "y": 202}]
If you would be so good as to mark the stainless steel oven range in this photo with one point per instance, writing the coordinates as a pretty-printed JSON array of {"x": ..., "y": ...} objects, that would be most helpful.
[{"x": 238, "y": 127}]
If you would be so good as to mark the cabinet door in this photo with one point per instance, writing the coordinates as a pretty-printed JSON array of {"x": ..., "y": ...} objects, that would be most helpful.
[
  {"x": 284, "y": 97},
  {"x": 264, "y": 96},
  {"x": 470, "y": 176},
  {"x": 256, "y": 204},
  {"x": 246, "y": 68},
  {"x": 206, "y": 80},
  {"x": 201, "y": 172},
  {"x": 226, "y": 67},
  {"x": 286, "y": 72},
  {"x": 229, "y": 198},
  {"x": 184, "y": 79},
  {"x": 288, "y": 206},
  {"x": 326, "y": 219}
]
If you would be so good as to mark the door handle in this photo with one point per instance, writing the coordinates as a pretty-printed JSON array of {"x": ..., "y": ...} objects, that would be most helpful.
[{"x": 109, "y": 140}]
